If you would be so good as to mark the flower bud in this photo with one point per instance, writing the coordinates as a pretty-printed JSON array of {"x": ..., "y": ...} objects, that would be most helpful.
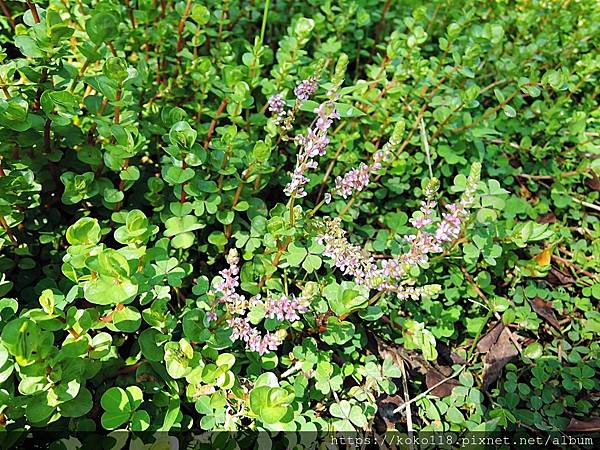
[{"x": 115, "y": 68}]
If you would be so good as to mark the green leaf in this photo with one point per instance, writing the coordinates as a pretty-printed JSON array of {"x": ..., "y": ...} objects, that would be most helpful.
[
  {"x": 295, "y": 254},
  {"x": 28, "y": 47},
  {"x": 86, "y": 231},
  {"x": 38, "y": 411},
  {"x": 177, "y": 225},
  {"x": 200, "y": 14},
  {"x": 338, "y": 332},
  {"x": 115, "y": 399},
  {"x": 183, "y": 240},
  {"x": 135, "y": 396},
  {"x": 417, "y": 337},
  {"x": 100, "y": 345},
  {"x": 22, "y": 338},
  {"x": 102, "y": 26},
  {"x": 114, "y": 419},
  {"x": 345, "y": 298},
  {"x": 182, "y": 135},
  {"x": 533, "y": 350},
  {"x": 509, "y": 111},
  {"x": 312, "y": 263},
  {"x": 269, "y": 403},
  {"x": 107, "y": 290},
  {"x": 140, "y": 421},
  {"x": 127, "y": 320},
  {"x": 79, "y": 406},
  {"x": 177, "y": 175}
]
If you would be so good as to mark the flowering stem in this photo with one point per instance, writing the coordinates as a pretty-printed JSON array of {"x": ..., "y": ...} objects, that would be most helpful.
[
  {"x": 348, "y": 205},
  {"x": 426, "y": 146},
  {"x": 316, "y": 208},
  {"x": 291, "y": 208},
  {"x": 264, "y": 21},
  {"x": 237, "y": 195},
  {"x": 331, "y": 164},
  {"x": 276, "y": 259}
]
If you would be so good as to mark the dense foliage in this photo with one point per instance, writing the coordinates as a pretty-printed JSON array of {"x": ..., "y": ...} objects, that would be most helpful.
[{"x": 302, "y": 216}]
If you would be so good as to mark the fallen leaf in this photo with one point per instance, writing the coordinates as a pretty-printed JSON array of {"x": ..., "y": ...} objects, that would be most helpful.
[
  {"x": 499, "y": 355},
  {"x": 385, "y": 411},
  {"x": 549, "y": 217},
  {"x": 544, "y": 257},
  {"x": 486, "y": 342},
  {"x": 457, "y": 359},
  {"x": 594, "y": 182},
  {"x": 446, "y": 358},
  {"x": 584, "y": 426},
  {"x": 557, "y": 277},
  {"x": 398, "y": 354},
  {"x": 545, "y": 311},
  {"x": 433, "y": 377},
  {"x": 525, "y": 193}
]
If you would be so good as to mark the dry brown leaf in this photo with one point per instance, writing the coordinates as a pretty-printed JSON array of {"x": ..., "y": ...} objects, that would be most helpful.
[
  {"x": 545, "y": 311},
  {"x": 594, "y": 182},
  {"x": 584, "y": 426},
  {"x": 525, "y": 193},
  {"x": 557, "y": 277},
  {"x": 549, "y": 217},
  {"x": 398, "y": 354},
  {"x": 486, "y": 342},
  {"x": 385, "y": 411},
  {"x": 433, "y": 377},
  {"x": 446, "y": 358},
  {"x": 499, "y": 355}
]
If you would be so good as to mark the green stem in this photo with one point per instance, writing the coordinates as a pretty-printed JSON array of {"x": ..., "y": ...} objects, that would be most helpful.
[
  {"x": 348, "y": 205},
  {"x": 291, "y": 208},
  {"x": 476, "y": 339},
  {"x": 264, "y": 21},
  {"x": 81, "y": 72},
  {"x": 316, "y": 208}
]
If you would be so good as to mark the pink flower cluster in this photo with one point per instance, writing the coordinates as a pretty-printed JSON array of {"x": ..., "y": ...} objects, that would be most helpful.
[
  {"x": 283, "y": 308},
  {"x": 313, "y": 144},
  {"x": 243, "y": 330},
  {"x": 306, "y": 88},
  {"x": 388, "y": 275},
  {"x": 358, "y": 179},
  {"x": 230, "y": 282},
  {"x": 277, "y": 107}
]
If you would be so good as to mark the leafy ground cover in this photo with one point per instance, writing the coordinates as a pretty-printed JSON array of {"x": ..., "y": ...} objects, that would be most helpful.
[{"x": 302, "y": 216}]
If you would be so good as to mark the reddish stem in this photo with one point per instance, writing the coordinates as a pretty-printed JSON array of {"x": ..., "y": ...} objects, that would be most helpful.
[
  {"x": 183, "y": 197},
  {"x": 131, "y": 15},
  {"x": 213, "y": 124},
  {"x": 7, "y": 13},
  {"x": 34, "y": 12}
]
